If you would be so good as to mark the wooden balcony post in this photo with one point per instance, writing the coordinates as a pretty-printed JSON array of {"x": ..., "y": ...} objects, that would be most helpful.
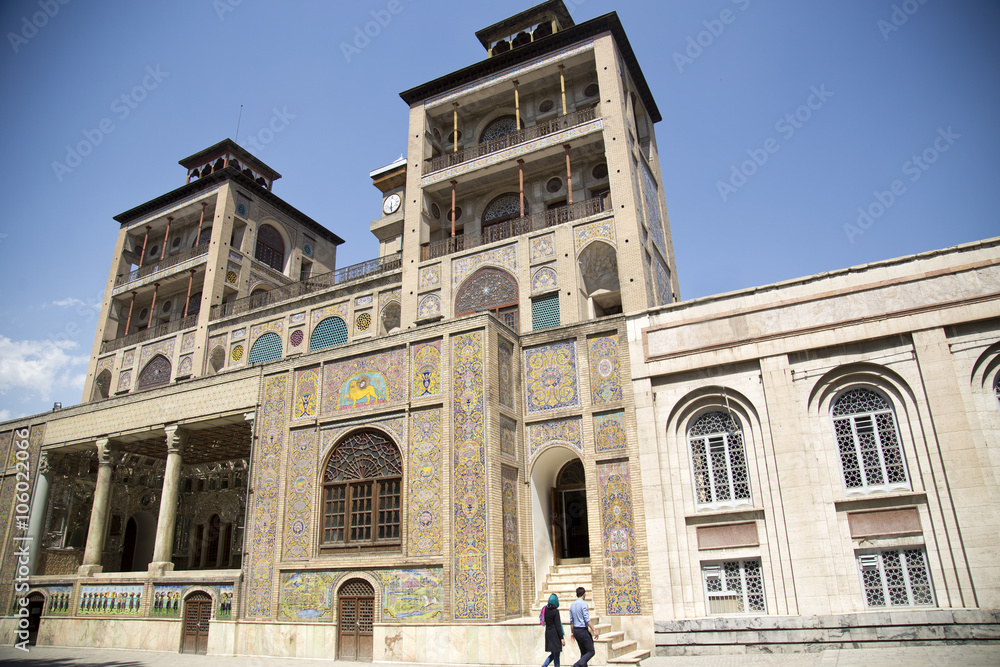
[
  {"x": 455, "y": 129},
  {"x": 163, "y": 253},
  {"x": 452, "y": 212},
  {"x": 187, "y": 299},
  {"x": 152, "y": 306},
  {"x": 197, "y": 240},
  {"x": 128, "y": 320},
  {"x": 520, "y": 178},
  {"x": 142, "y": 255},
  {"x": 517, "y": 109},
  {"x": 569, "y": 179},
  {"x": 562, "y": 86}
]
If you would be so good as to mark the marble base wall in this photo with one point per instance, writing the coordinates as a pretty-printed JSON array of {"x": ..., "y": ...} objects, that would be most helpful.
[{"x": 797, "y": 634}]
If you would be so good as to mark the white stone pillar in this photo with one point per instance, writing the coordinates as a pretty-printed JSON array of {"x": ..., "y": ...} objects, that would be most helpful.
[
  {"x": 39, "y": 507},
  {"x": 163, "y": 549},
  {"x": 107, "y": 457}
]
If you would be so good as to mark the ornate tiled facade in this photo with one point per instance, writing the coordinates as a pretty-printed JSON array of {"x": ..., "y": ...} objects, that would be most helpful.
[
  {"x": 609, "y": 432},
  {"x": 605, "y": 370},
  {"x": 430, "y": 276},
  {"x": 426, "y": 369},
  {"x": 301, "y": 468},
  {"x": 128, "y": 358},
  {"x": 377, "y": 380},
  {"x": 471, "y": 587},
  {"x": 277, "y": 326},
  {"x": 164, "y": 347},
  {"x": 508, "y": 437},
  {"x": 566, "y": 432},
  {"x": 262, "y": 550},
  {"x": 125, "y": 380},
  {"x": 551, "y": 378},
  {"x": 544, "y": 280},
  {"x": 425, "y": 483},
  {"x": 621, "y": 574},
  {"x": 187, "y": 342},
  {"x": 505, "y": 370},
  {"x": 504, "y": 257},
  {"x": 306, "y": 393},
  {"x": 511, "y": 550},
  {"x": 430, "y": 306},
  {"x": 341, "y": 310},
  {"x": 602, "y": 229},
  {"x": 412, "y": 596},
  {"x": 307, "y": 595},
  {"x": 543, "y": 247}
]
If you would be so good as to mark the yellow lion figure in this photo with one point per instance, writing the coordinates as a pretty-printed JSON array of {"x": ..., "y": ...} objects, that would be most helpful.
[{"x": 367, "y": 393}]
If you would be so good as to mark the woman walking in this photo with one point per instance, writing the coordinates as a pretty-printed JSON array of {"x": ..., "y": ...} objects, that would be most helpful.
[{"x": 554, "y": 637}]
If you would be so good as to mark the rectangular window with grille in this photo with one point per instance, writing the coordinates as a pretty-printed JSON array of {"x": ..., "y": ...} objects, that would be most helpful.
[
  {"x": 545, "y": 311},
  {"x": 734, "y": 587},
  {"x": 896, "y": 578}
]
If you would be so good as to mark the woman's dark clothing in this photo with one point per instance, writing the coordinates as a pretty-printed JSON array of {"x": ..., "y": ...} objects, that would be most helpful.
[{"x": 553, "y": 630}]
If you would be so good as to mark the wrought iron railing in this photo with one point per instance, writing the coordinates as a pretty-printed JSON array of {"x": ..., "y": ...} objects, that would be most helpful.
[
  {"x": 312, "y": 284},
  {"x": 149, "y": 334},
  {"x": 516, "y": 227},
  {"x": 165, "y": 263},
  {"x": 556, "y": 124}
]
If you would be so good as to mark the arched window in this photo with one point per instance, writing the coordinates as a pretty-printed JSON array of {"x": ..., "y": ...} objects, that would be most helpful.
[
  {"x": 505, "y": 207},
  {"x": 871, "y": 455},
  {"x": 718, "y": 460},
  {"x": 330, "y": 332},
  {"x": 102, "y": 385},
  {"x": 489, "y": 289},
  {"x": 266, "y": 348},
  {"x": 499, "y": 128},
  {"x": 390, "y": 317},
  {"x": 155, "y": 373},
  {"x": 270, "y": 247},
  {"x": 362, "y": 490},
  {"x": 216, "y": 360}
]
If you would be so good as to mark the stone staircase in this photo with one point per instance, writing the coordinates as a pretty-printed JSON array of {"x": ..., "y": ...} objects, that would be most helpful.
[{"x": 612, "y": 647}]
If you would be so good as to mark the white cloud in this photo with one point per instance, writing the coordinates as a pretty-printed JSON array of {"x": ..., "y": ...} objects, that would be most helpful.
[
  {"x": 4, "y": 415},
  {"x": 70, "y": 302},
  {"x": 38, "y": 368}
]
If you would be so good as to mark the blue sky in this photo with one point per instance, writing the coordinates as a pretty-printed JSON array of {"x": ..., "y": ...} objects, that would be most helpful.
[{"x": 780, "y": 120}]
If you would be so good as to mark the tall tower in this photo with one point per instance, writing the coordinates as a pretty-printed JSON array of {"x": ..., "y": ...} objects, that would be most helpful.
[
  {"x": 220, "y": 242},
  {"x": 532, "y": 182}
]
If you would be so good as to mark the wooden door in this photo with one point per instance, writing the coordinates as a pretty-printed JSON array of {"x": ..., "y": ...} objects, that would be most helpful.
[
  {"x": 355, "y": 620},
  {"x": 197, "y": 614}
]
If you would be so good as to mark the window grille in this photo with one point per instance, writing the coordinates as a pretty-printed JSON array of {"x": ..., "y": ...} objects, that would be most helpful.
[
  {"x": 363, "y": 491},
  {"x": 545, "y": 311},
  {"x": 266, "y": 348},
  {"x": 486, "y": 289},
  {"x": 896, "y": 578},
  {"x": 718, "y": 460},
  {"x": 734, "y": 587},
  {"x": 328, "y": 333},
  {"x": 155, "y": 373},
  {"x": 871, "y": 455}
]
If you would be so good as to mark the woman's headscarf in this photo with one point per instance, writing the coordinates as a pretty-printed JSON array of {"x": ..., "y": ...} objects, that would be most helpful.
[{"x": 553, "y": 600}]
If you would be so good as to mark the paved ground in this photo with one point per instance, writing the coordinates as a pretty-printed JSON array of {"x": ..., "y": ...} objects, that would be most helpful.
[{"x": 929, "y": 656}]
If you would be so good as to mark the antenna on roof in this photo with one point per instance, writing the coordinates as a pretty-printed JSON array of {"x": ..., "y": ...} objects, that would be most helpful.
[{"x": 238, "y": 124}]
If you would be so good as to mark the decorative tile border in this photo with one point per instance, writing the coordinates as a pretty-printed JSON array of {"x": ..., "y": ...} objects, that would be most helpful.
[
  {"x": 511, "y": 552},
  {"x": 504, "y": 256},
  {"x": 621, "y": 576},
  {"x": 550, "y": 377},
  {"x": 567, "y": 432},
  {"x": 426, "y": 369},
  {"x": 298, "y": 502},
  {"x": 425, "y": 483}
]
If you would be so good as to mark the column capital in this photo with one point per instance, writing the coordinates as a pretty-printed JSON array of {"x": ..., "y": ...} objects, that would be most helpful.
[
  {"x": 107, "y": 452},
  {"x": 176, "y": 438},
  {"x": 44, "y": 465},
  {"x": 250, "y": 416}
]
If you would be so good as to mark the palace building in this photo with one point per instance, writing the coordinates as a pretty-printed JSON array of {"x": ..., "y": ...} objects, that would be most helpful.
[{"x": 400, "y": 460}]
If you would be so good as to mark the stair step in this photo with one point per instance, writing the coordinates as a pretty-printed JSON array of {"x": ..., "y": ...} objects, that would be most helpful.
[
  {"x": 611, "y": 636},
  {"x": 633, "y": 658}
]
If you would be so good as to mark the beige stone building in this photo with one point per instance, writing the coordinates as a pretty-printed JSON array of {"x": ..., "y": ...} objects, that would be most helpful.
[{"x": 399, "y": 460}]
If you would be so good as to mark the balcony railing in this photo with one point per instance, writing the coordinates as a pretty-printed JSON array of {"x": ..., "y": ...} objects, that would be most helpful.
[
  {"x": 508, "y": 140},
  {"x": 516, "y": 227},
  {"x": 149, "y": 334},
  {"x": 165, "y": 263},
  {"x": 313, "y": 284}
]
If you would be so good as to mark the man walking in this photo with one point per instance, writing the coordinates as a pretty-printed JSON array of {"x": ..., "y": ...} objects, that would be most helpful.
[{"x": 579, "y": 617}]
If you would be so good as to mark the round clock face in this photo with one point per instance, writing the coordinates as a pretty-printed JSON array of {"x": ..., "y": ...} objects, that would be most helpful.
[{"x": 391, "y": 204}]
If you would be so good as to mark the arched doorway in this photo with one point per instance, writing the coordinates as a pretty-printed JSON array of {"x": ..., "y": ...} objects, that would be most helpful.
[
  {"x": 355, "y": 618},
  {"x": 570, "y": 532},
  {"x": 197, "y": 614},
  {"x": 140, "y": 538},
  {"x": 36, "y": 603}
]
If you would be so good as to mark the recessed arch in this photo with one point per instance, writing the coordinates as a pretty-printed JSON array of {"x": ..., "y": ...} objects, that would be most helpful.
[
  {"x": 216, "y": 360},
  {"x": 489, "y": 288},
  {"x": 499, "y": 127},
  {"x": 102, "y": 385},
  {"x": 270, "y": 247},
  {"x": 391, "y": 315},
  {"x": 330, "y": 332},
  {"x": 598, "y": 266},
  {"x": 503, "y": 207},
  {"x": 156, "y": 373}
]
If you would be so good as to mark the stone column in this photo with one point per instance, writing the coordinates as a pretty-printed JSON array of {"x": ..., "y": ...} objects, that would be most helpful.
[
  {"x": 107, "y": 457},
  {"x": 39, "y": 507},
  {"x": 163, "y": 548}
]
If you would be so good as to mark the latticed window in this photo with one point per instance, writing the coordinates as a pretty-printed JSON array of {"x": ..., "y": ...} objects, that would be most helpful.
[
  {"x": 734, "y": 587},
  {"x": 270, "y": 247},
  {"x": 896, "y": 578},
  {"x": 505, "y": 207},
  {"x": 362, "y": 486},
  {"x": 545, "y": 311},
  {"x": 155, "y": 373},
  {"x": 266, "y": 348},
  {"x": 871, "y": 454},
  {"x": 328, "y": 333},
  {"x": 500, "y": 127},
  {"x": 718, "y": 460},
  {"x": 487, "y": 289}
]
